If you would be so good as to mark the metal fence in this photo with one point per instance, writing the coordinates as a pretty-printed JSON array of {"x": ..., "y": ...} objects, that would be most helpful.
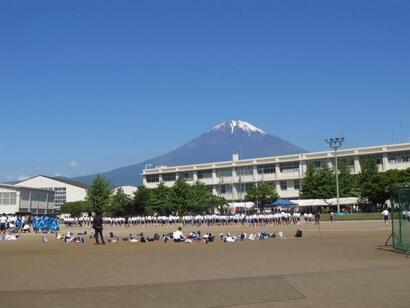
[{"x": 400, "y": 219}]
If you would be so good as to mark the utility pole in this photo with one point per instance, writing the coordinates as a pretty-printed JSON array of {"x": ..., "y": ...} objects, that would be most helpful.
[{"x": 335, "y": 144}]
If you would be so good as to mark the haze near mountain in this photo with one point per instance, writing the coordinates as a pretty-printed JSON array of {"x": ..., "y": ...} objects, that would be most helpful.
[{"x": 218, "y": 144}]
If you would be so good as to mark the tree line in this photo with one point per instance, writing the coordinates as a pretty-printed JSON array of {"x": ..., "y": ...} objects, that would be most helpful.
[
  {"x": 180, "y": 199},
  {"x": 370, "y": 185}
]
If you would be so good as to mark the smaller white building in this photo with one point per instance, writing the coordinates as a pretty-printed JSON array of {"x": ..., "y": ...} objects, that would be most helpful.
[
  {"x": 18, "y": 199},
  {"x": 128, "y": 190},
  {"x": 66, "y": 190}
]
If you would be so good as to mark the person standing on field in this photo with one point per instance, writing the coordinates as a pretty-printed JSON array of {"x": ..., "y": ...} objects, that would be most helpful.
[
  {"x": 98, "y": 228},
  {"x": 317, "y": 218},
  {"x": 385, "y": 214}
]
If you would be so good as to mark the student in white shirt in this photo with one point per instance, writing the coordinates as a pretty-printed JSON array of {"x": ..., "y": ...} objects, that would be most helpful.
[
  {"x": 178, "y": 235},
  {"x": 385, "y": 214},
  {"x": 3, "y": 223}
]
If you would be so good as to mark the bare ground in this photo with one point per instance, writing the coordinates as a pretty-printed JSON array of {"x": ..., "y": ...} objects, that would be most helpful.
[{"x": 338, "y": 265}]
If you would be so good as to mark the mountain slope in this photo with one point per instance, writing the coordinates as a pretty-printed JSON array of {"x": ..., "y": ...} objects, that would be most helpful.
[{"x": 218, "y": 144}]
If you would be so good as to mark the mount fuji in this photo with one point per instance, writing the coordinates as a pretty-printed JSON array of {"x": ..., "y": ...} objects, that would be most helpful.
[{"x": 218, "y": 144}]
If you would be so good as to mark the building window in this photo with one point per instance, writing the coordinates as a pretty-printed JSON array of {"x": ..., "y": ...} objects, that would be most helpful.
[
  {"x": 320, "y": 163},
  {"x": 266, "y": 169},
  {"x": 188, "y": 175},
  {"x": 349, "y": 161},
  {"x": 271, "y": 183},
  {"x": 169, "y": 177},
  {"x": 152, "y": 178},
  {"x": 398, "y": 157},
  {"x": 225, "y": 172},
  {"x": 244, "y": 187},
  {"x": 8, "y": 198},
  {"x": 60, "y": 195},
  {"x": 249, "y": 186},
  {"x": 204, "y": 174},
  {"x": 224, "y": 189},
  {"x": 289, "y": 167},
  {"x": 296, "y": 184},
  {"x": 283, "y": 185},
  {"x": 248, "y": 170},
  {"x": 378, "y": 158}
]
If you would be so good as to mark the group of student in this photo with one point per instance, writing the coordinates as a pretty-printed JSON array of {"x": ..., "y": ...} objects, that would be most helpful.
[
  {"x": 36, "y": 223},
  {"x": 11, "y": 222},
  {"x": 77, "y": 221},
  {"x": 277, "y": 218}
]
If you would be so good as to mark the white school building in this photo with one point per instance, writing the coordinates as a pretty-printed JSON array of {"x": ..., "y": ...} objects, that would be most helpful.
[
  {"x": 18, "y": 199},
  {"x": 231, "y": 179},
  {"x": 65, "y": 190}
]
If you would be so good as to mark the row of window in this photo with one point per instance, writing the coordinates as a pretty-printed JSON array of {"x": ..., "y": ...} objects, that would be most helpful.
[
  {"x": 399, "y": 157},
  {"x": 170, "y": 177},
  {"x": 60, "y": 196},
  {"x": 8, "y": 198},
  {"x": 244, "y": 187}
]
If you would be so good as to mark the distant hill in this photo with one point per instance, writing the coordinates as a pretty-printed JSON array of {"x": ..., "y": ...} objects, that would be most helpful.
[{"x": 218, "y": 144}]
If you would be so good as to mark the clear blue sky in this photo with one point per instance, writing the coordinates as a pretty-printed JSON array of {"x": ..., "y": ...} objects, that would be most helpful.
[{"x": 103, "y": 84}]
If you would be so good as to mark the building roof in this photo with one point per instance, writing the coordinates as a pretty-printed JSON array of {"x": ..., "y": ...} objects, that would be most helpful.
[
  {"x": 62, "y": 180},
  {"x": 15, "y": 187}
]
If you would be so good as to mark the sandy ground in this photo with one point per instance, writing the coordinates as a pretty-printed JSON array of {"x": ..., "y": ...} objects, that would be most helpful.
[{"x": 338, "y": 266}]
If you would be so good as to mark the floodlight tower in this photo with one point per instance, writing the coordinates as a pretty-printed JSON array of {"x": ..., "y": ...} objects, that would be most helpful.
[{"x": 335, "y": 144}]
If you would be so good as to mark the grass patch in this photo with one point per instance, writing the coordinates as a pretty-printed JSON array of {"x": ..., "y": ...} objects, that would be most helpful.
[{"x": 354, "y": 216}]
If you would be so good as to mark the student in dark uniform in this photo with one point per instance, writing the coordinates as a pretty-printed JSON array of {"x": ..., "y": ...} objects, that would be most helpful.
[
  {"x": 98, "y": 228},
  {"x": 317, "y": 217}
]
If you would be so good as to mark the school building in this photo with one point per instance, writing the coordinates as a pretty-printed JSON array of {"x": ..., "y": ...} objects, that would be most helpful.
[{"x": 231, "y": 179}]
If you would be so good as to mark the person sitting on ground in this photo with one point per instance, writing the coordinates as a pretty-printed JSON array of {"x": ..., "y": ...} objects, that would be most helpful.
[
  {"x": 298, "y": 233},
  {"x": 26, "y": 229},
  {"x": 178, "y": 235}
]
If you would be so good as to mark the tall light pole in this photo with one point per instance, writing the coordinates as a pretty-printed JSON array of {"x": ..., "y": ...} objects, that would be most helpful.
[{"x": 335, "y": 144}]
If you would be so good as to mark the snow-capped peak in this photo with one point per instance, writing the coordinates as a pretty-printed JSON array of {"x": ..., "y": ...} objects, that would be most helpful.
[{"x": 238, "y": 124}]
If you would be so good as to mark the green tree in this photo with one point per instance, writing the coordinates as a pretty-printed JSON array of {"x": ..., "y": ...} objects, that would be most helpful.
[
  {"x": 262, "y": 194},
  {"x": 326, "y": 181},
  {"x": 308, "y": 189},
  {"x": 75, "y": 208},
  {"x": 160, "y": 202},
  {"x": 371, "y": 185},
  {"x": 199, "y": 199},
  {"x": 376, "y": 187},
  {"x": 348, "y": 186},
  {"x": 179, "y": 196},
  {"x": 369, "y": 170},
  {"x": 141, "y": 200},
  {"x": 218, "y": 203},
  {"x": 318, "y": 183},
  {"x": 98, "y": 195},
  {"x": 120, "y": 204}
]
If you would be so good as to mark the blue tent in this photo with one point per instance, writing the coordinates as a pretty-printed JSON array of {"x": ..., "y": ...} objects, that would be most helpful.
[{"x": 283, "y": 202}]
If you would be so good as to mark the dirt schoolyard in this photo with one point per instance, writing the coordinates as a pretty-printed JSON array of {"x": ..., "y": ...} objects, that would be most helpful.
[{"x": 337, "y": 265}]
